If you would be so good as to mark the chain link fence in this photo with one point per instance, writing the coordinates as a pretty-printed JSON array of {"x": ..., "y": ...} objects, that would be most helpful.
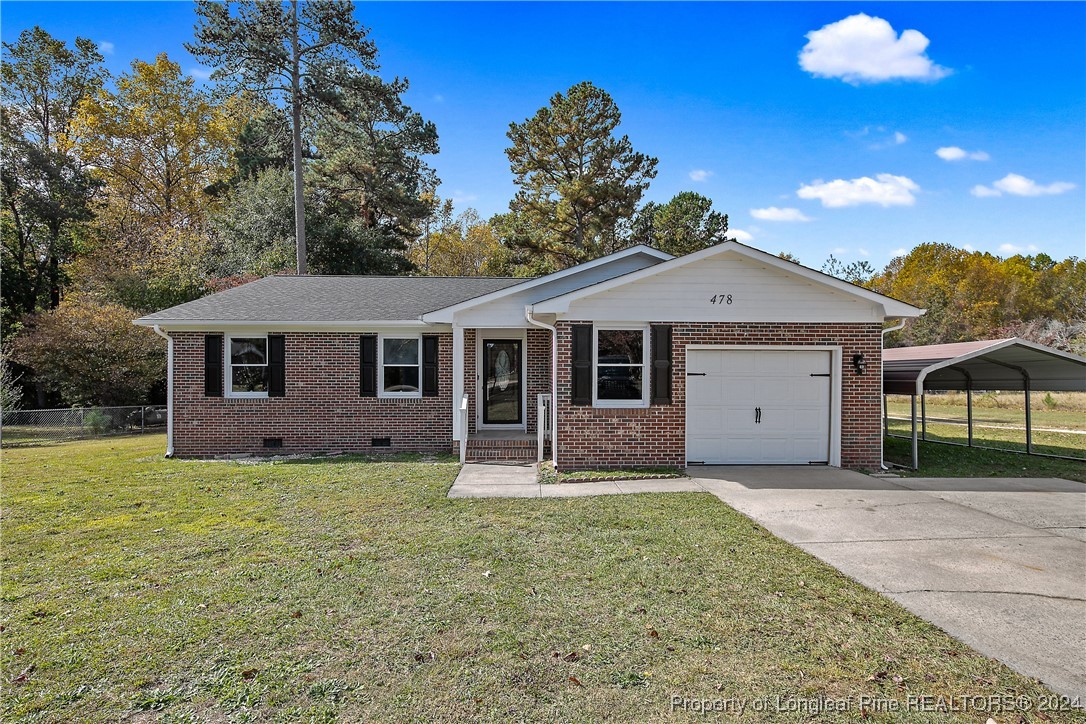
[{"x": 34, "y": 427}]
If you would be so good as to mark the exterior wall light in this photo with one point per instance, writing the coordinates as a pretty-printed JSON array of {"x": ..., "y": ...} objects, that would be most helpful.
[{"x": 859, "y": 363}]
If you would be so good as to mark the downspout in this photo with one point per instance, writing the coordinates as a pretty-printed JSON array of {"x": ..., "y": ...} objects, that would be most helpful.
[
  {"x": 169, "y": 389},
  {"x": 554, "y": 379},
  {"x": 882, "y": 391}
]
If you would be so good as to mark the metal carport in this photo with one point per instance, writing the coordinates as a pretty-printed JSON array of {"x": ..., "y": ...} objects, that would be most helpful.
[{"x": 992, "y": 364}]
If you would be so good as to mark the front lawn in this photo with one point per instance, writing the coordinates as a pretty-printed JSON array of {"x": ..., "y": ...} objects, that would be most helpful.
[{"x": 136, "y": 588}]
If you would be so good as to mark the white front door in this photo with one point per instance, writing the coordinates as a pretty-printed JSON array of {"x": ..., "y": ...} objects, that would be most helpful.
[{"x": 758, "y": 407}]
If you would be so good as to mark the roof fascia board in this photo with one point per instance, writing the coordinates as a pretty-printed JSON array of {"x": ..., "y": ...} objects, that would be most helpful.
[
  {"x": 201, "y": 325},
  {"x": 892, "y": 308},
  {"x": 445, "y": 314}
]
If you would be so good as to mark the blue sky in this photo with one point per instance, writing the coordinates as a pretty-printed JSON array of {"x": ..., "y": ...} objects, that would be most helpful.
[{"x": 834, "y": 155}]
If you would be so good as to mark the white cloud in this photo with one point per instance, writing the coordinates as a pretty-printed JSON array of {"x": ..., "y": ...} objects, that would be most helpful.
[
  {"x": 106, "y": 48},
  {"x": 700, "y": 174},
  {"x": 1015, "y": 249},
  {"x": 773, "y": 213},
  {"x": 739, "y": 235},
  {"x": 862, "y": 251},
  {"x": 863, "y": 49},
  {"x": 199, "y": 72},
  {"x": 839, "y": 250},
  {"x": 953, "y": 153},
  {"x": 900, "y": 138},
  {"x": 900, "y": 251},
  {"x": 1017, "y": 185},
  {"x": 438, "y": 98},
  {"x": 982, "y": 192},
  {"x": 884, "y": 190},
  {"x": 462, "y": 197}
]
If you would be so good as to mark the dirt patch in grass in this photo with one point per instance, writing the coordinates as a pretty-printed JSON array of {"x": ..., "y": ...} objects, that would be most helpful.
[
  {"x": 547, "y": 474},
  {"x": 137, "y": 588}
]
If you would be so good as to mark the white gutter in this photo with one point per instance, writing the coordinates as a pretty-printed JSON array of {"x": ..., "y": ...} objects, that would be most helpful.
[
  {"x": 554, "y": 379},
  {"x": 882, "y": 391},
  {"x": 169, "y": 389}
]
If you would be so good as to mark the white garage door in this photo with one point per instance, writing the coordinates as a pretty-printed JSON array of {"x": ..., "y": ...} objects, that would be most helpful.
[{"x": 758, "y": 407}]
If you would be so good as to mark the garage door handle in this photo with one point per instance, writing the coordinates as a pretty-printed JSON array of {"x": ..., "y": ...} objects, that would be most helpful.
[
  {"x": 696, "y": 374},
  {"x": 757, "y": 415}
]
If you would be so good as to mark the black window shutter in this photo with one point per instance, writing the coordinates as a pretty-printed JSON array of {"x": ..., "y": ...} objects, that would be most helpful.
[
  {"x": 429, "y": 365},
  {"x": 277, "y": 365},
  {"x": 367, "y": 365},
  {"x": 212, "y": 365},
  {"x": 661, "y": 364},
  {"x": 582, "y": 364}
]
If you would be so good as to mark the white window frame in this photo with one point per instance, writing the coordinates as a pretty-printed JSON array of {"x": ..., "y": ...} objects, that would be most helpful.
[
  {"x": 381, "y": 365},
  {"x": 646, "y": 381},
  {"x": 228, "y": 365}
]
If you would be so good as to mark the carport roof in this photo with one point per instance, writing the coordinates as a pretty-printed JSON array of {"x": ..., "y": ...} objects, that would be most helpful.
[{"x": 991, "y": 364}]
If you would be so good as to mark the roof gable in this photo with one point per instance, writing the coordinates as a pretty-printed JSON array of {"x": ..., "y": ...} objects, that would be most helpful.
[
  {"x": 696, "y": 287},
  {"x": 575, "y": 277}
]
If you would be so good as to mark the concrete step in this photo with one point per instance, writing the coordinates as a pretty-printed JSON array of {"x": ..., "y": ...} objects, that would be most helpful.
[{"x": 490, "y": 449}]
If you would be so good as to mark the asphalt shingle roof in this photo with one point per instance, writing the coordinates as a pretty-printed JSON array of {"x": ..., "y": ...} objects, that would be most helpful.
[{"x": 332, "y": 299}]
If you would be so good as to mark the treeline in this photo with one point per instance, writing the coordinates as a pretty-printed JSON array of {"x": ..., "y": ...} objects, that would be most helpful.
[
  {"x": 973, "y": 295},
  {"x": 123, "y": 195}
]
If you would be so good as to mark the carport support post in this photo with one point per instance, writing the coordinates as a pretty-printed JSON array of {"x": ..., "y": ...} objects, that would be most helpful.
[
  {"x": 916, "y": 456},
  {"x": 969, "y": 411},
  {"x": 1029, "y": 418},
  {"x": 924, "y": 416},
  {"x": 885, "y": 416}
]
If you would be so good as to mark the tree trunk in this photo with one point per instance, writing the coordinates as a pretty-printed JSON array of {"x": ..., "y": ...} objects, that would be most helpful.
[{"x": 296, "y": 117}]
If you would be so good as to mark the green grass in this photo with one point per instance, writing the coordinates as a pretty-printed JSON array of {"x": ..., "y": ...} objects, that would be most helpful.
[
  {"x": 1042, "y": 418},
  {"x": 1051, "y": 443},
  {"x": 952, "y": 461},
  {"x": 140, "y": 588}
]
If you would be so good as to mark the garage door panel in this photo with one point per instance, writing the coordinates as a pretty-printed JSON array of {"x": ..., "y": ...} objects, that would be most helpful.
[
  {"x": 740, "y": 364},
  {"x": 704, "y": 391},
  {"x": 795, "y": 406}
]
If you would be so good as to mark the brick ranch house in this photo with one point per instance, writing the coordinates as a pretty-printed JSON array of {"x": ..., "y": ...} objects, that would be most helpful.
[{"x": 728, "y": 355}]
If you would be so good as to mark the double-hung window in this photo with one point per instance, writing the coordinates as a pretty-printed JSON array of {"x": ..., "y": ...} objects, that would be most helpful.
[
  {"x": 247, "y": 371},
  {"x": 400, "y": 366},
  {"x": 621, "y": 367}
]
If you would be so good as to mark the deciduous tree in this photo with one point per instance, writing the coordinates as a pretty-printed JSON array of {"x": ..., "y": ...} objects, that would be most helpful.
[
  {"x": 92, "y": 354},
  {"x": 45, "y": 188}
]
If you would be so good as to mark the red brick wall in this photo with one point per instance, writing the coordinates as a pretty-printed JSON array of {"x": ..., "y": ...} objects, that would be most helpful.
[
  {"x": 321, "y": 411},
  {"x": 593, "y": 437},
  {"x": 539, "y": 371}
]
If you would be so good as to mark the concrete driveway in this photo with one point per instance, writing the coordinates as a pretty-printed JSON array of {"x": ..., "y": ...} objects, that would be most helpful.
[{"x": 998, "y": 563}]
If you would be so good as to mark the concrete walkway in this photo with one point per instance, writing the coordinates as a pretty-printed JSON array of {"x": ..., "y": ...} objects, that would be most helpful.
[
  {"x": 518, "y": 480},
  {"x": 998, "y": 563}
]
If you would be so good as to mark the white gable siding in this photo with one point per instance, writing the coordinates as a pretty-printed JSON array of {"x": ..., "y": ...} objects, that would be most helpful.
[
  {"x": 509, "y": 310},
  {"x": 759, "y": 293}
]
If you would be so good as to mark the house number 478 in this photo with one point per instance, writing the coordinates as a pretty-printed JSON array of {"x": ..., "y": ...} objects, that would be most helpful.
[{"x": 721, "y": 299}]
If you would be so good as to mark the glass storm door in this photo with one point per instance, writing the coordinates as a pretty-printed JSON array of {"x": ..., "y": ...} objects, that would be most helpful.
[{"x": 502, "y": 391}]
